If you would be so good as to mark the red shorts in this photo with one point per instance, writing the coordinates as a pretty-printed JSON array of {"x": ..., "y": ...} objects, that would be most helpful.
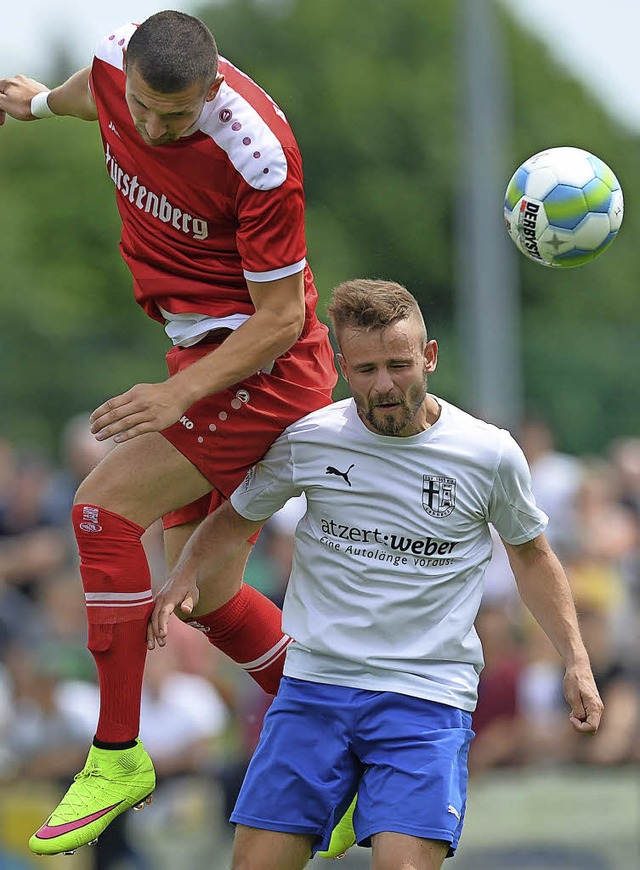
[{"x": 225, "y": 434}]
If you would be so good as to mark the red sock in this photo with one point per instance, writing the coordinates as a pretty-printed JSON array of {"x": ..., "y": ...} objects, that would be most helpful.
[
  {"x": 248, "y": 628},
  {"x": 117, "y": 585}
]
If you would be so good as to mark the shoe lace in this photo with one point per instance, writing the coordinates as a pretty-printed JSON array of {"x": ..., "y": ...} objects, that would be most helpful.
[
  {"x": 89, "y": 770},
  {"x": 75, "y": 802}
]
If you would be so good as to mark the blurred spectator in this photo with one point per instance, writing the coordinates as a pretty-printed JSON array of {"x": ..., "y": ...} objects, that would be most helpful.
[
  {"x": 279, "y": 531},
  {"x": 555, "y": 478},
  {"x": 618, "y": 738},
  {"x": 499, "y": 583},
  {"x": 30, "y": 547},
  {"x": 625, "y": 458},
  {"x": 262, "y": 571},
  {"x": 43, "y": 738},
  {"x": 6, "y": 711},
  {"x": 62, "y": 627},
  {"x": 182, "y": 714},
  {"x": 545, "y": 715},
  {"x": 80, "y": 452},
  {"x": 7, "y": 465},
  {"x": 497, "y": 720},
  {"x": 605, "y": 528},
  {"x": 607, "y": 532},
  {"x": 600, "y": 568}
]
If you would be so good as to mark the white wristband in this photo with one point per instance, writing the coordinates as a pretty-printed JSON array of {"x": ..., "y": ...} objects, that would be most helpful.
[{"x": 40, "y": 105}]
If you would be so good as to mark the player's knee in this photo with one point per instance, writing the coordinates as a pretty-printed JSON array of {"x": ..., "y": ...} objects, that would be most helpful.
[{"x": 95, "y": 491}]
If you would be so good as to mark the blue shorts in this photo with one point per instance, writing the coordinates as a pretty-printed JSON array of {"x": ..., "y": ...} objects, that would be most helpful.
[{"x": 406, "y": 757}]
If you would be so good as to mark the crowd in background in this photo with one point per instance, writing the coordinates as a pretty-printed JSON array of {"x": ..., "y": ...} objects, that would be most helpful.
[{"x": 201, "y": 714}]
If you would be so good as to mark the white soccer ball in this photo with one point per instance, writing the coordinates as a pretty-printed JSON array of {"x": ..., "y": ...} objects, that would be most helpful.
[{"x": 563, "y": 207}]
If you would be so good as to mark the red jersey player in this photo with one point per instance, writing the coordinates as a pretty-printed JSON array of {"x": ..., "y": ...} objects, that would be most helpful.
[{"x": 208, "y": 183}]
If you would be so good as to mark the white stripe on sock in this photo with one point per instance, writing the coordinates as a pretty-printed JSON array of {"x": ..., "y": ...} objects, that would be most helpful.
[
  {"x": 269, "y": 657},
  {"x": 118, "y": 596}
]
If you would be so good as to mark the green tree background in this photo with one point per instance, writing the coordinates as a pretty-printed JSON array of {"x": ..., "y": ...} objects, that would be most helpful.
[{"x": 371, "y": 89}]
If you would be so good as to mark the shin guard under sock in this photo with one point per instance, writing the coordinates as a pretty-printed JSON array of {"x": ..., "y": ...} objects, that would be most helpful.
[
  {"x": 117, "y": 586},
  {"x": 248, "y": 628}
]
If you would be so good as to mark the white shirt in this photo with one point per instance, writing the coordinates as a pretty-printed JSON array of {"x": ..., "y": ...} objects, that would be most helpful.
[{"x": 389, "y": 557}]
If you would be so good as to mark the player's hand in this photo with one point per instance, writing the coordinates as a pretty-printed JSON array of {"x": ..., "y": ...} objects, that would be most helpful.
[
  {"x": 181, "y": 591},
  {"x": 583, "y": 698},
  {"x": 143, "y": 408},
  {"x": 15, "y": 97}
]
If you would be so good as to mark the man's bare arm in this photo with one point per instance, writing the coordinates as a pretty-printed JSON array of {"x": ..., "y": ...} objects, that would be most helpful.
[
  {"x": 211, "y": 546},
  {"x": 545, "y": 590},
  {"x": 269, "y": 332},
  {"x": 72, "y": 98}
]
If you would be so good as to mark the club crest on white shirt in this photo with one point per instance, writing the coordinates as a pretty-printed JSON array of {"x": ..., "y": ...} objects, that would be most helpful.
[{"x": 438, "y": 495}]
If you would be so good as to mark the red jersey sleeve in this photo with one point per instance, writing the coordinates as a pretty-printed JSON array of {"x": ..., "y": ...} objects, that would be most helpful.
[{"x": 270, "y": 236}]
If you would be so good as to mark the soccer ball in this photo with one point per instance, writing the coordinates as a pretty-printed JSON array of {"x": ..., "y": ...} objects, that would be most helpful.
[{"x": 563, "y": 207}]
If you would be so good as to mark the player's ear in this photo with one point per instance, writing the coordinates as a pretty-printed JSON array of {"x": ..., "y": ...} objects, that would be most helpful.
[
  {"x": 343, "y": 366},
  {"x": 124, "y": 60},
  {"x": 431, "y": 356},
  {"x": 215, "y": 87}
]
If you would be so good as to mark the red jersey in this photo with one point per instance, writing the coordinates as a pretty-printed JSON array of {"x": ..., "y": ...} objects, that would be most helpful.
[{"x": 204, "y": 213}]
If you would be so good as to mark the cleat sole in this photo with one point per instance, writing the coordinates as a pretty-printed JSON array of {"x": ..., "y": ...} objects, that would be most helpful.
[{"x": 143, "y": 803}]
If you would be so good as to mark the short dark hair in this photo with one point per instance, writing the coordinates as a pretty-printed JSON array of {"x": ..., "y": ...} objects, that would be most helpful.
[
  {"x": 173, "y": 51},
  {"x": 371, "y": 303}
]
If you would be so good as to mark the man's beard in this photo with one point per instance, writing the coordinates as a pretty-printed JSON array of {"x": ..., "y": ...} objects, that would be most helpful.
[{"x": 393, "y": 424}]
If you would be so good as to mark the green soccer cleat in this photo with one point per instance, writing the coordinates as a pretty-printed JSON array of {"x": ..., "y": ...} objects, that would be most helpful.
[
  {"x": 112, "y": 781},
  {"x": 343, "y": 836}
]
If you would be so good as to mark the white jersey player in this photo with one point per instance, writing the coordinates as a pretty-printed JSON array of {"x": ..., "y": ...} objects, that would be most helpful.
[
  {"x": 395, "y": 528},
  {"x": 381, "y": 677}
]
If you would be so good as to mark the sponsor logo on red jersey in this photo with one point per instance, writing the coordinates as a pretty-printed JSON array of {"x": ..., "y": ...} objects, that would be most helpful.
[{"x": 153, "y": 203}]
